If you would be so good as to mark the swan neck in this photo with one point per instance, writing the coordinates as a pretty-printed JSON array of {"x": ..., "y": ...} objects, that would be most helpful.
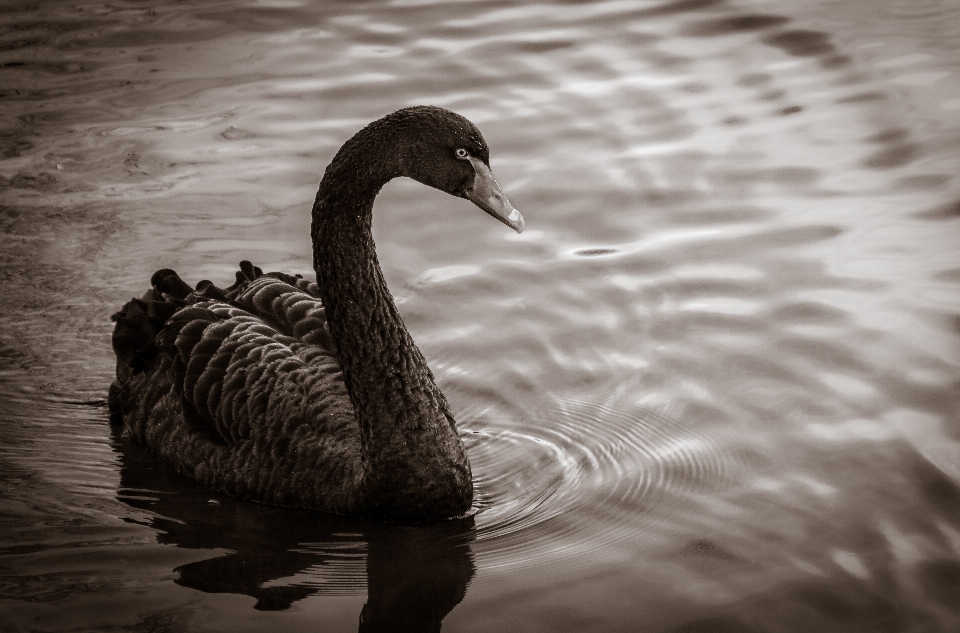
[{"x": 409, "y": 442}]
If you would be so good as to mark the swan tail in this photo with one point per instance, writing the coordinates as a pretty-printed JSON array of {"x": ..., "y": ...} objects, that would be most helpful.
[{"x": 136, "y": 329}]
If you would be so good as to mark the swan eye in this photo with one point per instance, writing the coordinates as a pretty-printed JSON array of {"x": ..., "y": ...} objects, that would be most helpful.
[{"x": 462, "y": 153}]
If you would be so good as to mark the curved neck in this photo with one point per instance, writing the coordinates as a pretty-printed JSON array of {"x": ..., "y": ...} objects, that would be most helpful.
[{"x": 408, "y": 439}]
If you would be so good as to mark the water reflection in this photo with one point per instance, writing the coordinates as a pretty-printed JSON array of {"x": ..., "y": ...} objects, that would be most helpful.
[{"x": 413, "y": 576}]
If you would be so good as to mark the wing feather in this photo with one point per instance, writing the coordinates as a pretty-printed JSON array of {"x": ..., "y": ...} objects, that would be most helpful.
[{"x": 240, "y": 387}]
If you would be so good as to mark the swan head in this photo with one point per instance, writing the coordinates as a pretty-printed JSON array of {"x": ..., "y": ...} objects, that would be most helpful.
[{"x": 444, "y": 150}]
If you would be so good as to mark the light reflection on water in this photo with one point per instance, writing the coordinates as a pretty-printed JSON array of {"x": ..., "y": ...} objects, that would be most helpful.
[{"x": 712, "y": 386}]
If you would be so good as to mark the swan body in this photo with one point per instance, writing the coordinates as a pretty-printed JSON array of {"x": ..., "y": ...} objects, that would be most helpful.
[{"x": 311, "y": 395}]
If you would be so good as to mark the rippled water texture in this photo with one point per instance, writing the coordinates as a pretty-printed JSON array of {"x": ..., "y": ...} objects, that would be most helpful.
[{"x": 712, "y": 387}]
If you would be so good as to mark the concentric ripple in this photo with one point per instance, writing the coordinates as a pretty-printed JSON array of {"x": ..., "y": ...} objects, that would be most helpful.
[{"x": 581, "y": 479}]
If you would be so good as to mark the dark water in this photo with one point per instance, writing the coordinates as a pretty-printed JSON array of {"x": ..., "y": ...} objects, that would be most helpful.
[{"x": 714, "y": 386}]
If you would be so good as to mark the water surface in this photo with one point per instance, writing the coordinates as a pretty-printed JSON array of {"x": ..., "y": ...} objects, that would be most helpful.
[{"x": 712, "y": 387}]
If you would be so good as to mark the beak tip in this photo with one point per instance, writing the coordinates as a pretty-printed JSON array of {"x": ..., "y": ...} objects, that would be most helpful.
[{"x": 515, "y": 220}]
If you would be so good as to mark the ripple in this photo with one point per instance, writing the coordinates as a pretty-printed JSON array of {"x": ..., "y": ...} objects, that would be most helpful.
[
  {"x": 581, "y": 479},
  {"x": 595, "y": 252},
  {"x": 801, "y": 43},
  {"x": 735, "y": 24},
  {"x": 446, "y": 273},
  {"x": 65, "y": 441},
  {"x": 922, "y": 9},
  {"x": 369, "y": 50}
]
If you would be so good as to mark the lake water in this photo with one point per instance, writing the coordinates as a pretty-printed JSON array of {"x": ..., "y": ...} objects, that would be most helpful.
[{"x": 714, "y": 386}]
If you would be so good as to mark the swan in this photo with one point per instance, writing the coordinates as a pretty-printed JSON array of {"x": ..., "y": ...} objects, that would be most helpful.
[{"x": 311, "y": 395}]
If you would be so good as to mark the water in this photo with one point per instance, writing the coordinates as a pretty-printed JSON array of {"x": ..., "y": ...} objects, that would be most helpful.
[{"x": 712, "y": 387}]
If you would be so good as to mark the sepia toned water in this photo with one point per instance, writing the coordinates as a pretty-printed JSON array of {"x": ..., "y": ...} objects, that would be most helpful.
[{"x": 713, "y": 387}]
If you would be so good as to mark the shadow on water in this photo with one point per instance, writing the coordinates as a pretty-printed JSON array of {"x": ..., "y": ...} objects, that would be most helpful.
[{"x": 414, "y": 576}]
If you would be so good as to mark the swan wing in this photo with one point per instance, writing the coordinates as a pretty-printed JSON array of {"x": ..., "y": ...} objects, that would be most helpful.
[{"x": 253, "y": 365}]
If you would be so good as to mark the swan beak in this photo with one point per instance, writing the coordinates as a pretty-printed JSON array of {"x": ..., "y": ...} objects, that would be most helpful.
[{"x": 486, "y": 194}]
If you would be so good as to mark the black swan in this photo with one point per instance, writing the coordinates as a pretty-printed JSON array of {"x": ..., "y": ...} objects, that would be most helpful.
[{"x": 311, "y": 395}]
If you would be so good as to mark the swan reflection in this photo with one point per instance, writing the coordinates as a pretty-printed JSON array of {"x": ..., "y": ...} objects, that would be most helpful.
[{"x": 413, "y": 575}]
